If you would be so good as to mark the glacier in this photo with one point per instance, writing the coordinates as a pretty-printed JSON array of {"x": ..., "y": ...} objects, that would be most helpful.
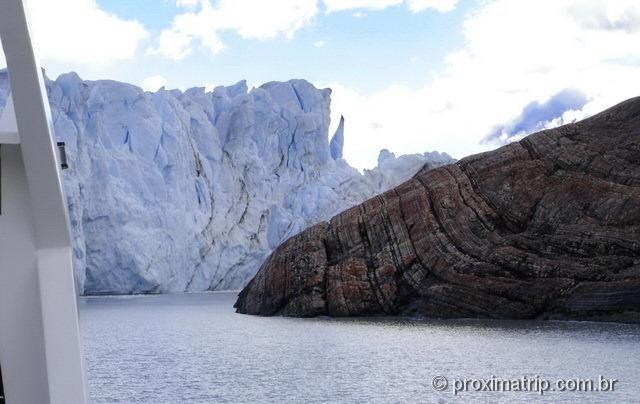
[{"x": 173, "y": 191}]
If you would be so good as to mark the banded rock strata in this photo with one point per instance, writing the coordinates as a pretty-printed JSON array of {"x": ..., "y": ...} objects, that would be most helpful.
[{"x": 548, "y": 227}]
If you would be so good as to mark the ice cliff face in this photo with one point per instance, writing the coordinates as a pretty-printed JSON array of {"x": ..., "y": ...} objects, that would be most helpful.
[{"x": 173, "y": 191}]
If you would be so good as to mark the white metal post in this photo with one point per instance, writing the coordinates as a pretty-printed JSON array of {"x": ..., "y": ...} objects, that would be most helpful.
[{"x": 40, "y": 352}]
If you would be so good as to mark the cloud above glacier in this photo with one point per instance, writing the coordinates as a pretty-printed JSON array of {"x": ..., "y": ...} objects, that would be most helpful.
[
  {"x": 415, "y": 6},
  {"x": 80, "y": 31},
  {"x": 250, "y": 19},
  {"x": 153, "y": 83},
  {"x": 205, "y": 21},
  {"x": 517, "y": 62}
]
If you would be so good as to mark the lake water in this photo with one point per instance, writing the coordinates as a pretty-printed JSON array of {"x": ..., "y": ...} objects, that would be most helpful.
[{"x": 195, "y": 348}]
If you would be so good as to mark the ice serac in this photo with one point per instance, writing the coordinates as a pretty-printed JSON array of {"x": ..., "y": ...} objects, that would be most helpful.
[
  {"x": 337, "y": 141},
  {"x": 548, "y": 227},
  {"x": 173, "y": 191}
]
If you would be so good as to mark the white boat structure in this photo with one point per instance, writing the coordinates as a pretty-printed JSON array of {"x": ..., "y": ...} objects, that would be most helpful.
[{"x": 40, "y": 351}]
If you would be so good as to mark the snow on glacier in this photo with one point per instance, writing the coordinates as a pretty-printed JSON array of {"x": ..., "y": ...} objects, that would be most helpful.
[{"x": 190, "y": 191}]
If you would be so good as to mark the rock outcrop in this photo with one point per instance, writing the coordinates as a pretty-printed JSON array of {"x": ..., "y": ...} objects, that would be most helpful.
[{"x": 548, "y": 228}]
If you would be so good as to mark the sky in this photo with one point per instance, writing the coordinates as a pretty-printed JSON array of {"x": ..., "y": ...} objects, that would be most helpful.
[{"x": 457, "y": 76}]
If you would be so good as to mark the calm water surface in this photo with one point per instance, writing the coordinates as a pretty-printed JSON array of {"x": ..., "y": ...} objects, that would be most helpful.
[{"x": 194, "y": 348}]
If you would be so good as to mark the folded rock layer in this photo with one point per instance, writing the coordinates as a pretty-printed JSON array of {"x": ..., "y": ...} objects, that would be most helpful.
[{"x": 548, "y": 227}]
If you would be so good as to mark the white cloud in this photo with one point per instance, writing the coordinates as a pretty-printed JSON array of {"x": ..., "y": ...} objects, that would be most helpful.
[
  {"x": 442, "y": 6},
  {"x": 340, "y": 5},
  {"x": 154, "y": 83},
  {"x": 318, "y": 44},
  {"x": 251, "y": 19},
  {"x": 205, "y": 20},
  {"x": 79, "y": 31},
  {"x": 415, "y": 6},
  {"x": 515, "y": 53},
  {"x": 187, "y": 3}
]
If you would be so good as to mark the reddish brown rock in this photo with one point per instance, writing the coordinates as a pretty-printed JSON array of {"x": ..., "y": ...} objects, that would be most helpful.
[{"x": 548, "y": 227}]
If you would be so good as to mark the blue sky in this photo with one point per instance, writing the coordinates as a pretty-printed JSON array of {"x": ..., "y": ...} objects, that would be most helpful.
[
  {"x": 461, "y": 76},
  {"x": 369, "y": 51}
]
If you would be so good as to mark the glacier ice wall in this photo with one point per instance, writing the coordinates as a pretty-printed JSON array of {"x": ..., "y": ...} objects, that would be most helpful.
[{"x": 190, "y": 191}]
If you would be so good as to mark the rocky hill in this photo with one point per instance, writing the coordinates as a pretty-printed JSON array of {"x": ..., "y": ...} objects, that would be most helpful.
[{"x": 548, "y": 227}]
